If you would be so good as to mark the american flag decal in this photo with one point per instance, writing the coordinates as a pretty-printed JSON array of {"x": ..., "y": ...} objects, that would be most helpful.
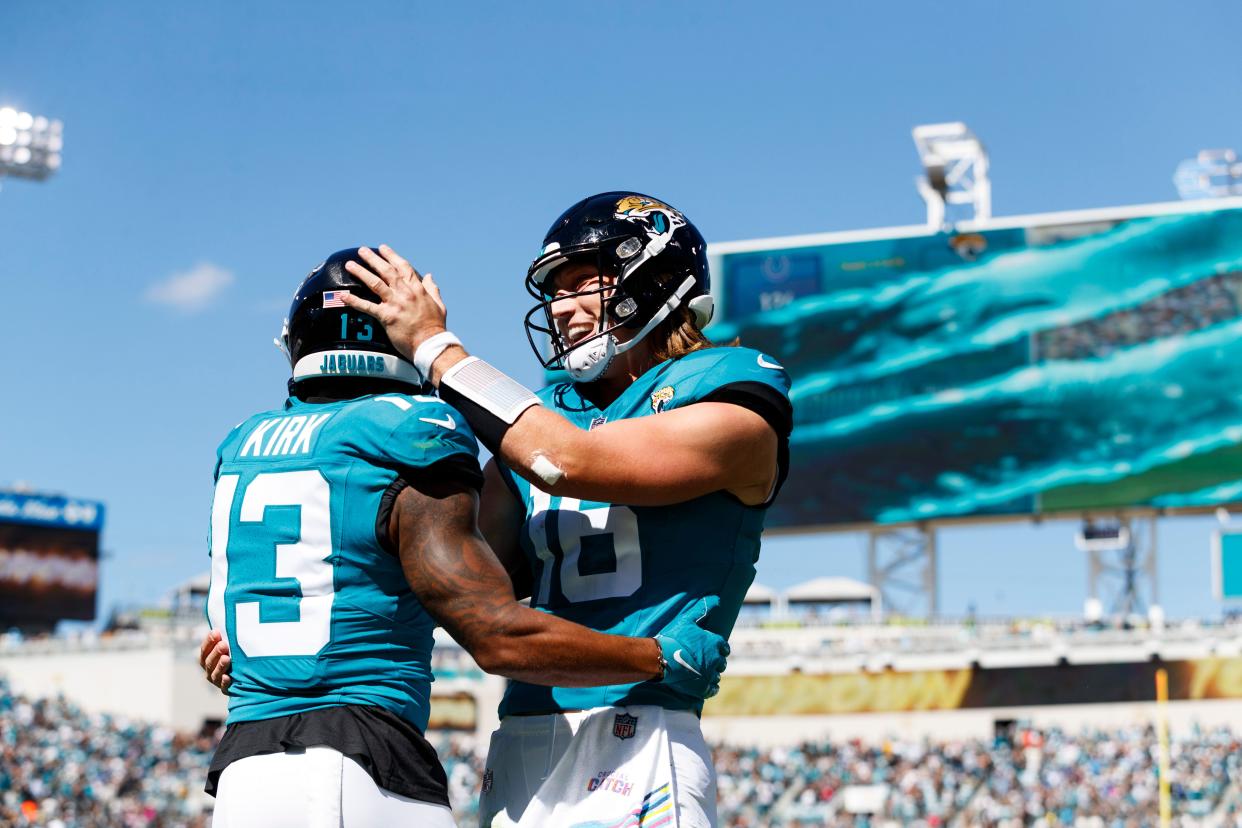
[{"x": 334, "y": 298}]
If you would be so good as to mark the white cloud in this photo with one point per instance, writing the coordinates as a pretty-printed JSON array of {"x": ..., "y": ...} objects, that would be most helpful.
[{"x": 192, "y": 290}]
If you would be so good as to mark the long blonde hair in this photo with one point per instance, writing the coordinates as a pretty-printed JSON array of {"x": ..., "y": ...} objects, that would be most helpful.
[{"x": 678, "y": 335}]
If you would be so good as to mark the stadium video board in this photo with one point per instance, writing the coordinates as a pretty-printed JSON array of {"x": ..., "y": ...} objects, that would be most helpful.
[
  {"x": 1059, "y": 363},
  {"x": 49, "y": 558}
]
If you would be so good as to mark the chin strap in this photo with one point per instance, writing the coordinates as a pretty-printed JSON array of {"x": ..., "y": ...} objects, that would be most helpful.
[{"x": 589, "y": 360}]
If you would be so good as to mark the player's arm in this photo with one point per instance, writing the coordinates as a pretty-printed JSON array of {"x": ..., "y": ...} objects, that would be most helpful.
[
  {"x": 463, "y": 586},
  {"x": 467, "y": 590},
  {"x": 650, "y": 461},
  {"x": 500, "y": 521}
]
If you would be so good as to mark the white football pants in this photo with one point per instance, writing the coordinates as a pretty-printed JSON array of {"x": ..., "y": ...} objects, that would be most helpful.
[
  {"x": 315, "y": 788},
  {"x": 599, "y": 766}
]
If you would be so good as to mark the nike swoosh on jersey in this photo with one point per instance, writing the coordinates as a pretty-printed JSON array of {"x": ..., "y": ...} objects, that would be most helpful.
[
  {"x": 677, "y": 657},
  {"x": 447, "y": 422},
  {"x": 763, "y": 363}
]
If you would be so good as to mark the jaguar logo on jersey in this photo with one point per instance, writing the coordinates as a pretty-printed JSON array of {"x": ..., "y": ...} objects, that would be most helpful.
[
  {"x": 487, "y": 780},
  {"x": 661, "y": 398},
  {"x": 611, "y": 782},
  {"x": 625, "y": 726}
]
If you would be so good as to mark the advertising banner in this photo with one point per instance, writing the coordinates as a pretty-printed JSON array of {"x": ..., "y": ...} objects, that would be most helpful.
[{"x": 890, "y": 691}]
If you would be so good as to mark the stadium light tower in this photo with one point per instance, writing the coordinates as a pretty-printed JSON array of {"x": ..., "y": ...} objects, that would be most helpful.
[
  {"x": 1121, "y": 565},
  {"x": 30, "y": 145},
  {"x": 955, "y": 171}
]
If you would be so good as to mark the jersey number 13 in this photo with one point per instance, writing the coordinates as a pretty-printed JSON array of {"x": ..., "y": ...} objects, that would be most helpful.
[{"x": 305, "y": 560}]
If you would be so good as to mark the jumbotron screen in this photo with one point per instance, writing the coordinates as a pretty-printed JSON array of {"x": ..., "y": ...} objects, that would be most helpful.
[
  {"x": 49, "y": 558},
  {"x": 1070, "y": 363}
]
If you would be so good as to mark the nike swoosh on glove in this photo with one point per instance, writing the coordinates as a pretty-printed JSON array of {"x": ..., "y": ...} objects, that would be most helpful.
[{"x": 696, "y": 657}]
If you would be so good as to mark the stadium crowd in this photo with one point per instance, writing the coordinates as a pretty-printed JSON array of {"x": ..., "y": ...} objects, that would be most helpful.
[
  {"x": 61, "y": 767},
  {"x": 1102, "y": 779},
  {"x": 1193, "y": 307}
]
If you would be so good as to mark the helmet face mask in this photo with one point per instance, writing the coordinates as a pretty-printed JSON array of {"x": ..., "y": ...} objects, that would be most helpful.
[
  {"x": 324, "y": 339},
  {"x": 658, "y": 261}
]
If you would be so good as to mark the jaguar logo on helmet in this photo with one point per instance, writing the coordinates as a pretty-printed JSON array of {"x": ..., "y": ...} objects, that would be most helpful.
[
  {"x": 633, "y": 204},
  {"x": 661, "y": 218}
]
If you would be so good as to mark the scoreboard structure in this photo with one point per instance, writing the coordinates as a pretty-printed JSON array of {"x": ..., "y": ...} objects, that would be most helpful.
[
  {"x": 49, "y": 559},
  {"x": 1059, "y": 364}
]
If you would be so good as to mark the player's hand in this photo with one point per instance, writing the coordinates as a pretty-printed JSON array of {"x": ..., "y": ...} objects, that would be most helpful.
[
  {"x": 214, "y": 658},
  {"x": 410, "y": 307},
  {"x": 696, "y": 657}
]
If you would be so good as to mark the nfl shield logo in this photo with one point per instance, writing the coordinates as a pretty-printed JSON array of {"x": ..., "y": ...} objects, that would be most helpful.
[{"x": 624, "y": 726}]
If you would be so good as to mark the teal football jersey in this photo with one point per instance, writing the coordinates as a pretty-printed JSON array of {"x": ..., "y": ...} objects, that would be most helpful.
[
  {"x": 314, "y": 604},
  {"x": 631, "y": 570}
]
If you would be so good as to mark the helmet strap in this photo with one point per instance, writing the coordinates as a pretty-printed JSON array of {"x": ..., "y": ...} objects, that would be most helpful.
[
  {"x": 671, "y": 304},
  {"x": 588, "y": 361}
]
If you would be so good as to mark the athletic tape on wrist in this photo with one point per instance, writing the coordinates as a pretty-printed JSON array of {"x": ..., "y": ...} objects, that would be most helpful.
[
  {"x": 490, "y": 400},
  {"x": 430, "y": 351}
]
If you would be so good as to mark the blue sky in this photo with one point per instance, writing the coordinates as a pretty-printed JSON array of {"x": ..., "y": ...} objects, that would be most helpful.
[{"x": 215, "y": 152}]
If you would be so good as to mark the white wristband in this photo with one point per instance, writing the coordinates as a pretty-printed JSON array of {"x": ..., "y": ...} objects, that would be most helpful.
[
  {"x": 498, "y": 394},
  {"x": 430, "y": 350}
]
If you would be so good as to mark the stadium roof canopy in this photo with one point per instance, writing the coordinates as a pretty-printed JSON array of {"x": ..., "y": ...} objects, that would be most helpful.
[
  {"x": 831, "y": 591},
  {"x": 759, "y": 594},
  {"x": 198, "y": 585}
]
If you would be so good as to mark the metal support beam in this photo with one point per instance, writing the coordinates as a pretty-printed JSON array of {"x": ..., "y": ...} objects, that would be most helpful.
[
  {"x": 901, "y": 564},
  {"x": 1125, "y": 579}
]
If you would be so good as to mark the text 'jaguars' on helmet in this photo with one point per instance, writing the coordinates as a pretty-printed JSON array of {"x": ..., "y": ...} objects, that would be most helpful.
[
  {"x": 657, "y": 258},
  {"x": 324, "y": 337}
]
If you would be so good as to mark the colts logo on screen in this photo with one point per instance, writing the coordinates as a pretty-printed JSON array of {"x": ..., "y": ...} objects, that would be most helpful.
[
  {"x": 661, "y": 398},
  {"x": 624, "y": 727}
]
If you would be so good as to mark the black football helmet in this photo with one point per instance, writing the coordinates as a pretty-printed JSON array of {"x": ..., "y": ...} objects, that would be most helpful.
[
  {"x": 323, "y": 337},
  {"x": 657, "y": 257}
]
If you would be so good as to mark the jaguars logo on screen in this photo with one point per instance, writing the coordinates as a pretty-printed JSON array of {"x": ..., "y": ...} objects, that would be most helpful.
[{"x": 970, "y": 246}]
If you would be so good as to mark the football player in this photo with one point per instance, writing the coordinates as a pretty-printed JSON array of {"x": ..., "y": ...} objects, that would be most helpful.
[
  {"x": 343, "y": 529},
  {"x": 624, "y": 496}
]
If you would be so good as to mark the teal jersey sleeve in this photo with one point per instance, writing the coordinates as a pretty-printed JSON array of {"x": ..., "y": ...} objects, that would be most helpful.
[
  {"x": 742, "y": 376},
  {"x": 406, "y": 432}
]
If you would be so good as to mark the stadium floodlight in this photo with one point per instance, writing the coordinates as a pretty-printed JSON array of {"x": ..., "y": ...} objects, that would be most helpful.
[
  {"x": 1213, "y": 173},
  {"x": 955, "y": 167},
  {"x": 30, "y": 145},
  {"x": 1107, "y": 537}
]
